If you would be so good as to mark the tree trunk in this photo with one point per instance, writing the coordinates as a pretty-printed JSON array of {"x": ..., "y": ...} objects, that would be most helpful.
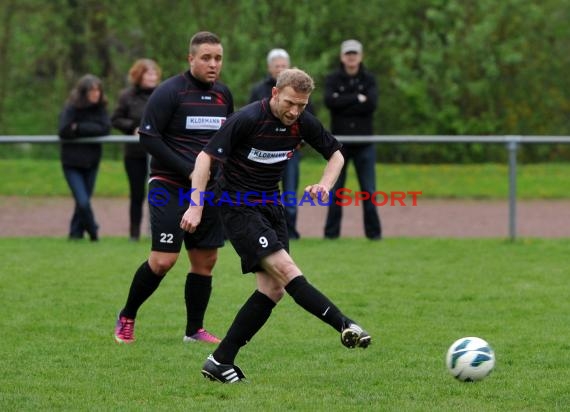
[
  {"x": 76, "y": 23},
  {"x": 5, "y": 41}
]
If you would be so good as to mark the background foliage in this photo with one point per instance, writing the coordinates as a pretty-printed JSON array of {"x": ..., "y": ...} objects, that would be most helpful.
[{"x": 443, "y": 66}]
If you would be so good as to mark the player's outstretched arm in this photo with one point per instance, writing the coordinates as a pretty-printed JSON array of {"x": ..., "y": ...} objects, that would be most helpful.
[{"x": 199, "y": 176}]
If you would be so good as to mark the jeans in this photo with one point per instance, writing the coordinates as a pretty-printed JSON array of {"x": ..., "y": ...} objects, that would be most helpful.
[
  {"x": 290, "y": 181},
  {"x": 364, "y": 159},
  {"x": 82, "y": 182}
]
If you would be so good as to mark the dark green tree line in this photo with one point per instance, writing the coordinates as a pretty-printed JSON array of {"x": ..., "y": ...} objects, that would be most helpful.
[{"x": 443, "y": 66}]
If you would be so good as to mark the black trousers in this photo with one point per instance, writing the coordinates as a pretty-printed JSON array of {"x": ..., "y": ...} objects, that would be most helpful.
[{"x": 137, "y": 172}]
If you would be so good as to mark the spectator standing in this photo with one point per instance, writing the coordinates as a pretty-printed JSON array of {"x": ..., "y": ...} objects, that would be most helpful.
[
  {"x": 277, "y": 61},
  {"x": 351, "y": 96},
  {"x": 180, "y": 117},
  {"x": 144, "y": 76},
  {"x": 84, "y": 115}
]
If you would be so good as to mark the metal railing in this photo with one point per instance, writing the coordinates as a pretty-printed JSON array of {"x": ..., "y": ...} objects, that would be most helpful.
[{"x": 512, "y": 144}]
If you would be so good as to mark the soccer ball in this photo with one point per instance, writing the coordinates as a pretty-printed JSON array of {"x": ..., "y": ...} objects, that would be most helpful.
[{"x": 470, "y": 359}]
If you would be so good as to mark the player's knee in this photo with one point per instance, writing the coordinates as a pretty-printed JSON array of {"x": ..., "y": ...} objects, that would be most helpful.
[
  {"x": 287, "y": 271},
  {"x": 208, "y": 263},
  {"x": 275, "y": 293},
  {"x": 280, "y": 267},
  {"x": 203, "y": 263},
  {"x": 160, "y": 265}
]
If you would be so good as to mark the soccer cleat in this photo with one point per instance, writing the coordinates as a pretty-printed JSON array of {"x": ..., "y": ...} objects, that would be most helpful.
[
  {"x": 353, "y": 336},
  {"x": 202, "y": 335},
  {"x": 220, "y": 372},
  {"x": 125, "y": 330}
]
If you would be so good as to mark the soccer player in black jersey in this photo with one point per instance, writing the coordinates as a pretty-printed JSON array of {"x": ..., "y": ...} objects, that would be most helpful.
[
  {"x": 254, "y": 145},
  {"x": 277, "y": 61},
  {"x": 179, "y": 119}
]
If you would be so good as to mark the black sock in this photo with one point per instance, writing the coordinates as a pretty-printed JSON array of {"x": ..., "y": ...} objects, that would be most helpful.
[
  {"x": 250, "y": 318},
  {"x": 197, "y": 295},
  {"x": 144, "y": 283},
  {"x": 313, "y": 301}
]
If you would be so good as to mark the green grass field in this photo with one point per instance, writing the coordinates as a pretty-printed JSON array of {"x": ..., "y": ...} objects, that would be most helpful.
[
  {"x": 416, "y": 296},
  {"x": 29, "y": 177}
]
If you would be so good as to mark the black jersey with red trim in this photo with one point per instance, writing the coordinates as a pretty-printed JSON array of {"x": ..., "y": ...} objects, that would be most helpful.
[
  {"x": 255, "y": 146},
  {"x": 185, "y": 113}
]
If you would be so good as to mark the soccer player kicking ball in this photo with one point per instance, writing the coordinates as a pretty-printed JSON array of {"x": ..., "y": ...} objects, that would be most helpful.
[{"x": 254, "y": 145}]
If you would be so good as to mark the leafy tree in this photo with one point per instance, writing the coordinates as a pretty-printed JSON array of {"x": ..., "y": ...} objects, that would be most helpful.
[{"x": 443, "y": 66}]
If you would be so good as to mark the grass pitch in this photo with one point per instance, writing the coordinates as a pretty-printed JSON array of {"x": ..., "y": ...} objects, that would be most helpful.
[{"x": 415, "y": 296}]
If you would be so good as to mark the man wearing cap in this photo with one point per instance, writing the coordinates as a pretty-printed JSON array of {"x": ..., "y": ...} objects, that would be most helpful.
[
  {"x": 351, "y": 96},
  {"x": 277, "y": 61}
]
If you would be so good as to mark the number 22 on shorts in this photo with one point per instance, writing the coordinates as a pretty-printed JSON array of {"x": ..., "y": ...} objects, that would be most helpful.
[{"x": 166, "y": 237}]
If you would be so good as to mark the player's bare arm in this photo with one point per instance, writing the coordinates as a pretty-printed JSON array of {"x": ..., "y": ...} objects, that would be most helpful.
[
  {"x": 330, "y": 175},
  {"x": 200, "y": 176}
]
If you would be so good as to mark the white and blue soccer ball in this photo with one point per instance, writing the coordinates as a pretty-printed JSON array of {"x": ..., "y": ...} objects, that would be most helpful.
[{"x": 470, "y": 359}]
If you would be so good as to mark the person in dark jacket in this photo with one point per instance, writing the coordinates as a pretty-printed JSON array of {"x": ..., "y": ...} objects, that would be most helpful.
[
  {"x": 351, "y": 96},
  {"x": 144, "y": 76},
  {"x": 277, "y": 61},
  {"x": 84, "y": 115}
]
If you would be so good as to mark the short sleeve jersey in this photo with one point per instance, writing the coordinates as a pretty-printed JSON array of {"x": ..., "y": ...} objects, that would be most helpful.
[
  {"x": 185, "y": 113},
  {"x": 255, "y": 146}
]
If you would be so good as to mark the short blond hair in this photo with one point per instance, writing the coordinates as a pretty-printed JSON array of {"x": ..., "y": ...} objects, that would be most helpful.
[{"x": 297, "y": 79}]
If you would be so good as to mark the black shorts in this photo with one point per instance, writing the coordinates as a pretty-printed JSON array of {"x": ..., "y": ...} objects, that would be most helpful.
[
  {"x": 255, "y": 232},
  {"x": 166, "y": 210}
]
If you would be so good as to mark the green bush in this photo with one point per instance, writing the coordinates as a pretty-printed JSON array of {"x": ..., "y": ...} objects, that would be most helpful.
[{"x": 443, "y": 67}]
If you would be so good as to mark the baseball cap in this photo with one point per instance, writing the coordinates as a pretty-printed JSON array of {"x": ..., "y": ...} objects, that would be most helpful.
[{"x": 351, "y": 45}]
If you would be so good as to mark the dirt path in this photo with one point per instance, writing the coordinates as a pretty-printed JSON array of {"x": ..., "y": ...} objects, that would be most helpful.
[{"x": 32, "y": 216}]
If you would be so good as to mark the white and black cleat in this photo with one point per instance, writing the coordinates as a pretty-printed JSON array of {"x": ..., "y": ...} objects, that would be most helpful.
[
  {"x": 353, "y": 336},
  {"x": 220, "y": 372}
]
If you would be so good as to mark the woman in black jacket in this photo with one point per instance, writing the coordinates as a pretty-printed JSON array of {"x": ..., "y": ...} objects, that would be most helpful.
[
  {"x": 144, "y": 76},
  {"x": 84, "y": 115}
]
